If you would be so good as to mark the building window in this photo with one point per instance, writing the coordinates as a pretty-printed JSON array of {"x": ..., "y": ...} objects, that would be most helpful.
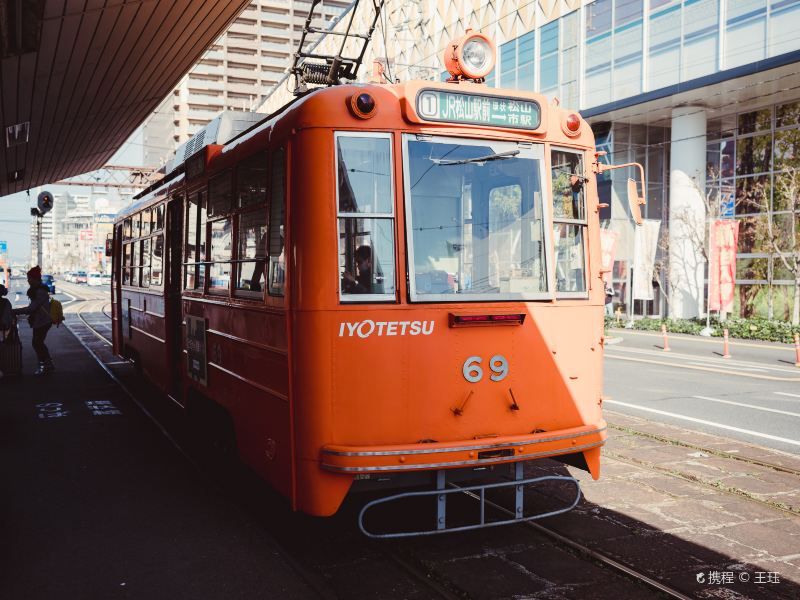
[
  {"x": 517, "y": 63},
  {"x": 664, "y": 44},
  {"x": 745, "y": 31},
  {"x": 597, "y": 75},
  {"x": 700, "y": 35},
  {"x": 548, "y": 59}
]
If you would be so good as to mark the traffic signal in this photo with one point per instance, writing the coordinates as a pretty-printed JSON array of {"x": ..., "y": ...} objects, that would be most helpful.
[{"x": 45, "y": 202}]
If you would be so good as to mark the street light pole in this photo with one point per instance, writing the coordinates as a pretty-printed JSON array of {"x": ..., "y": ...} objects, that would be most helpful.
[{"x": 39, "y": 240}]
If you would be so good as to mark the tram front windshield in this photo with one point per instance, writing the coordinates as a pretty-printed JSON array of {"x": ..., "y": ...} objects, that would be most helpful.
[{"x": 476, "y": 221}]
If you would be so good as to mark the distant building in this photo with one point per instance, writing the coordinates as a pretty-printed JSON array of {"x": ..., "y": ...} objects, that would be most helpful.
[
  {"x": 74, "y": 232},
  {"x": 236, "y": 73}
]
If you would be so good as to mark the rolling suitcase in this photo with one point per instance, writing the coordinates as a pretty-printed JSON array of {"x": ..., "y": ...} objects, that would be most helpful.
[{"x": 11, "y": 352}]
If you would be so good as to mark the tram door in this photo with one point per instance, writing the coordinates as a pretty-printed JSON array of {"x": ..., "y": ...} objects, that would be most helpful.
[
  {"x": 173, "y": 310},
  {"x": 116, "y": 289}
]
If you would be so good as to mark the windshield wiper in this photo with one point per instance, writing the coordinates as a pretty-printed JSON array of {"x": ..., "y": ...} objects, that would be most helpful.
[{"x": 477, "y": 159}]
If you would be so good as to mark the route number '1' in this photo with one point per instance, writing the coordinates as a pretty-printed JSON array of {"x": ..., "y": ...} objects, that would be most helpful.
[{"x": 474, "y": 373}]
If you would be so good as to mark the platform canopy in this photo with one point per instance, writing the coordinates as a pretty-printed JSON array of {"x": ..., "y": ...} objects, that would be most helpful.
[{"x": 78, "y": 76}]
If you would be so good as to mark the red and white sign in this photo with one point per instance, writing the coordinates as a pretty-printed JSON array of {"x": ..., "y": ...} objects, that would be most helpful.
[
  {"x": 722, "y": 270},
  {"x": 608, "y": 249},
  {"x": 86, "y": 235}
]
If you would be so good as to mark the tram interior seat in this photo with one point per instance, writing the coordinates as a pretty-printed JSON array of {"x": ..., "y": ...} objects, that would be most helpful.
[{"x": 435, "y": 282}]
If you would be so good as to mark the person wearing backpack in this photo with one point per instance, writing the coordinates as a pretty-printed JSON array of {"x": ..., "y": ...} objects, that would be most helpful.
[{"x": 38, "y": 312}]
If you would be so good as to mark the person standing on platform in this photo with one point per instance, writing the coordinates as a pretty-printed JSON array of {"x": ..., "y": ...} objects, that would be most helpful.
[
  {"x": 6, "y": 321},
  {"x": 38, "y": 312}
]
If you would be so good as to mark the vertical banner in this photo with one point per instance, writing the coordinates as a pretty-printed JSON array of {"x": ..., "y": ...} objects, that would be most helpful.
[
  {"x": 608, "y": 249},
  {"x": 645, "y": 244},
  {"x": 722, "y": 267}
]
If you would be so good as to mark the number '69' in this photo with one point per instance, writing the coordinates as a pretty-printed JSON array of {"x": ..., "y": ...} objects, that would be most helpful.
[{"x": 473, "y": 372}]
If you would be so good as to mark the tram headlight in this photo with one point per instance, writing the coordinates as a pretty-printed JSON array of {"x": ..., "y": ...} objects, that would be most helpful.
[
  {"x": 571, "y": 124},
  {"x": 363, "y": 105},
  {"x": 471, "y": 57}
]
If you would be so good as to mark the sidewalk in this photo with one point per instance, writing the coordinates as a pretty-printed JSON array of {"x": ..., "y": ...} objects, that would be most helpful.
[{"x": 96, "y": 503}]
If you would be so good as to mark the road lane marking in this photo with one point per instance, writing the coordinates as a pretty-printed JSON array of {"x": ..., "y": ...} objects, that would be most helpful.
[
  {"x": 711, "y": 361},
  {"x": 714, "y": 340},
  {"x": 787, "y": 394},
  {"x": 704, "y": 422},
  {"x": 732, "y": 366},
  {"x": 712, "y": 370},
  {"x": 743, "y": 405}
]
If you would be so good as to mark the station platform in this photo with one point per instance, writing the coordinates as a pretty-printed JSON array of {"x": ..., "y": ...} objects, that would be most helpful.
[{"x": 95, "y": 502}]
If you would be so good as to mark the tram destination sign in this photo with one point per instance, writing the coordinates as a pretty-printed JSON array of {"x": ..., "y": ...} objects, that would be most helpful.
[{"x": 478, "y": 109}]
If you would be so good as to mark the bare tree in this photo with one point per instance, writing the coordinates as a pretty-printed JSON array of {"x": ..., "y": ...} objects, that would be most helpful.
[
  {"x": 783, "y": 230},
  {"x": 699, "y": 238}
]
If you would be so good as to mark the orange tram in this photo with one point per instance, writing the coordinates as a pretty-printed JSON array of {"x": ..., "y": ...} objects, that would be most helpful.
[{"x": 379, "y": 286}]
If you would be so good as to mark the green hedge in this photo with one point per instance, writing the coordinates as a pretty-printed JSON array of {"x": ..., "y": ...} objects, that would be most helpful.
[{"x": 748, "y": 329}]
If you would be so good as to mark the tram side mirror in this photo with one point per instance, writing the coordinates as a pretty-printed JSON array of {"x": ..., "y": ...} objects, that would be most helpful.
[
  {"x": 109, "y": 246},
  {"x": 635, "y": 201}
]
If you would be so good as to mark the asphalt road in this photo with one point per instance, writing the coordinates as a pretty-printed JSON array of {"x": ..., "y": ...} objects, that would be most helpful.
[{"x": 753, "y": 396}]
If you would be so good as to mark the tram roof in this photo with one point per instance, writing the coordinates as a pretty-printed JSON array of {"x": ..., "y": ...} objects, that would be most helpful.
[
  {"x": 402, "y": 95},
  {"x": 84, "y": 75}
]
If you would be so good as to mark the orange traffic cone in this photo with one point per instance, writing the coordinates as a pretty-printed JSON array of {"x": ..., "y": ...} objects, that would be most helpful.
[
  {"x": 725, "y": 351},
  {"x": 666, "y": 340},
  {"x": 797, "y": 349}
]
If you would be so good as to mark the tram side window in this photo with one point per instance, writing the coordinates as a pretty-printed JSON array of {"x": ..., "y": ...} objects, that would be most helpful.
[
  {"x": 159, "y": 218},
  {"x": 219, "y": 275},
  {"x": 365, "y": 217},
  {"x": 251, "y": 195},
  {"x": 147, "y": 222},
  {"x": 157, "y": 261},
  {"x": 126, "y": 229},
  {"x": 145, "y": 259},
  {"x": 220, "y": 194},
  {"x": 569, "y": 220},
  {"x": 194, "y": 242},
  {"x": 135, "y": 270},
  {"x": 252, "y": 250},
  {"x": 251, "y": 181},
  {"x": 126, "y": 262},
  {"x": 277, "y": 261}
]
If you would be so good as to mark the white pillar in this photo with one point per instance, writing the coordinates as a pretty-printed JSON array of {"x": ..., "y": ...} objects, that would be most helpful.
[{"x": 687, "y": 211}]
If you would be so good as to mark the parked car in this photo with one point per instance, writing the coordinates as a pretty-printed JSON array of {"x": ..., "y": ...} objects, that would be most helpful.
[
  {"x": 105, "y": 279},
  {"x": 81, "y": 277},
  {"x": 48, "y": 281},
  {"x": 94, "y": 279}
]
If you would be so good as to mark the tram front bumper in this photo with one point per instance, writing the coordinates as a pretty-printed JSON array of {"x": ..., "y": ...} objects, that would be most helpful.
[{"x": 462, "y": 453}]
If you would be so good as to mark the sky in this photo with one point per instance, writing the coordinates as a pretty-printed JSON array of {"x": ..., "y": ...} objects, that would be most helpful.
[{"x": 15, "y": 209}]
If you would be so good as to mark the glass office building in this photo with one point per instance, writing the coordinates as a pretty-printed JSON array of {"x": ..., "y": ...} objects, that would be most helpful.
[{"x": 706, "y": 95}]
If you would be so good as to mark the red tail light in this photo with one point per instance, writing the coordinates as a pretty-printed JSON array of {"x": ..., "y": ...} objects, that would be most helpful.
[{"x": 505, "y": 319}]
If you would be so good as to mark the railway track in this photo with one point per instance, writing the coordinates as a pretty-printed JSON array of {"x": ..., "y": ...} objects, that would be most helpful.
[
  {"x": 705, "y": 449},
  {"x": 79, "y": 313},
  {"x": 437, "y": 584}
]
